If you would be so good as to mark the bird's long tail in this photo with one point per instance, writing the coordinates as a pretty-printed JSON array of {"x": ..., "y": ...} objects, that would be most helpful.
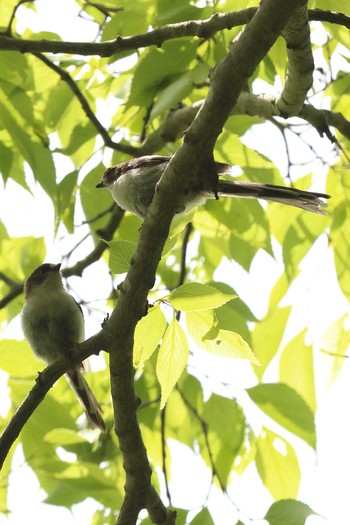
[
  {"x": 92, "y": 407},
  {"x": 306, "y": 200}
]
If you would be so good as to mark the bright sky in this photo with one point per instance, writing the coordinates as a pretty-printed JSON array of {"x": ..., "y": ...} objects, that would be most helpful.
[{"x": 325, "y": 486}]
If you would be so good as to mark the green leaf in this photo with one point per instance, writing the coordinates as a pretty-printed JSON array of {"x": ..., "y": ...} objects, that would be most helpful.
[
  {"x": 62, "y": 96},
  {"x": 202, "y": 327},
  {"x": 159, "y": 68},
  {"x": 32, "y": 254},
  {"x": 297, "y": 368},
  {"x": 234, "y": 151},
  {"x": 120, "y": 256},
  {"x": 225, "y": 424},
  {"x": 288, "y": 512},
  {"x": 75, "y": 481},
  {"x": 340, "y": 234},
  {"x": 286, "y": 407},
  {"x": 81, "y": 143},
  {"x": 195, "y": 296},
  {"x": 296, "y": 231},
  {"x": 335, "y": 345},
  {"x": 234, "y": 315},
  {"x": 181, "y": 424},
  {"x": 17, "y": 359},
  {"x": 171, "y": 95},
  {"x": 64, "y": 436},
  {"x": 38, "y": 157},
  {"x": 278, "y": 57},
  {"x": 148, "y": 333},
  {"x": 172, "y": 359},
  {"x": 14, "y": 68},
  {"x": 44, "y": 169},
  {"x": 230, "y": 344},
  {"x": 133, "y": 18},
  {"x": 66, "y": 199},
  {"x": 94, "y": 200},
  {"x": 202, "y": 518},
  {"x": 267, "y": 336},
  {"x": 178, "y": 225},
  {"x": 170, "y": 12},
  {"x": 277, "y": 465}
]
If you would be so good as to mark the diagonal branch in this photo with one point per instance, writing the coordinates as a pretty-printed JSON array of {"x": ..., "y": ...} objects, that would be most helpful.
[
  {"x": 183, "y": 172},
  {"x": 15, "y": 290},
  {"x": 106, "y": 235},
  {"x": 64, "y": 75}
]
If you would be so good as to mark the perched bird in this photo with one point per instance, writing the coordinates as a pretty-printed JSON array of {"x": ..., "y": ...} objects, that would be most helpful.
[
  {"x": 53, "y": 323},
  {"x": 132, "y": 184}
]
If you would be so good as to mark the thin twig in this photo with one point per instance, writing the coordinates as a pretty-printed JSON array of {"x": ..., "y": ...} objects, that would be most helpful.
[
  {"x": 185, "y": 241},
  {"x": 106, "y": 235},
  {"x": 15, "y": 290},
  {"x": 13, "y": 14},
  {"x": 64, "y": 75},
  {"x": 204, "y": 427},
  {"x": 164, "y": 454}
]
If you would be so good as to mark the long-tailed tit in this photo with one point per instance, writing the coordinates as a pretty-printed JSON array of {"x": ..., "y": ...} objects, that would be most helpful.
[
  {"x": 53, "y": 324},
  {"x": 132, "y": 184}
]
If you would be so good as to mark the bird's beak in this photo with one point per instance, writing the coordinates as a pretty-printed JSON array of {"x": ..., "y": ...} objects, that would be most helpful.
[
  {"x": 100, "y": 184},
  {"x": 57, "y": 267}
]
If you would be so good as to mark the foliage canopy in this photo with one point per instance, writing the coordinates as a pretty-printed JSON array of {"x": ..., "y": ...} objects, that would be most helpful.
[{"x": 68, "y": 109}]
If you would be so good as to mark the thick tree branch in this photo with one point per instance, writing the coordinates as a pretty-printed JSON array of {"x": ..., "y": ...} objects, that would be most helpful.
[
  {"x": 300, "y": 63},
  {"x": 264, "y": 106},
  {"x": 156, "y": 37},
  {"x": 183, "y": 172},
  {"x": 288, "y": 103}
]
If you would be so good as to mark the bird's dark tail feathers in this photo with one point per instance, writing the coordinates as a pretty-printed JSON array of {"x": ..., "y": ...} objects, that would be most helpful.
[
  {"x": 306, "y": 200},
  {"x": 92, "y": 407}
]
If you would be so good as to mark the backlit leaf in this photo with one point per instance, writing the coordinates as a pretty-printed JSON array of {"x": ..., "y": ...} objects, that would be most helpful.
[
  {"x": 285, "y": 406},
  {"x": 148, "y": 333},
  {"x": 120, "y": 255},
  {"x": 277, "y": 465},
  {"x": 195, "y": 296},
  {"x": 172, "y": 359},
  {"x": 288, "y": 512}
]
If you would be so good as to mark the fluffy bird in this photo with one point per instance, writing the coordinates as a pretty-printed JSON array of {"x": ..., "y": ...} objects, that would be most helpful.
[
  {"x": 132, "y": 184},
  {"x": 53, "y": 323}
]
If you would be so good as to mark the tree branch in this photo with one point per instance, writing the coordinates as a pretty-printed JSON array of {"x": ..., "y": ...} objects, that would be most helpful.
[
  {"x": 263, "y": 105},
  {"x": 184, "y": 171},
  {"x": 300, "y": 64},
  {"x": 288, "y": 103},
  {"x": 64, "y": 75},
  {"x": 15, "y": 290},
  {"x": 156, "y": 37}
]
